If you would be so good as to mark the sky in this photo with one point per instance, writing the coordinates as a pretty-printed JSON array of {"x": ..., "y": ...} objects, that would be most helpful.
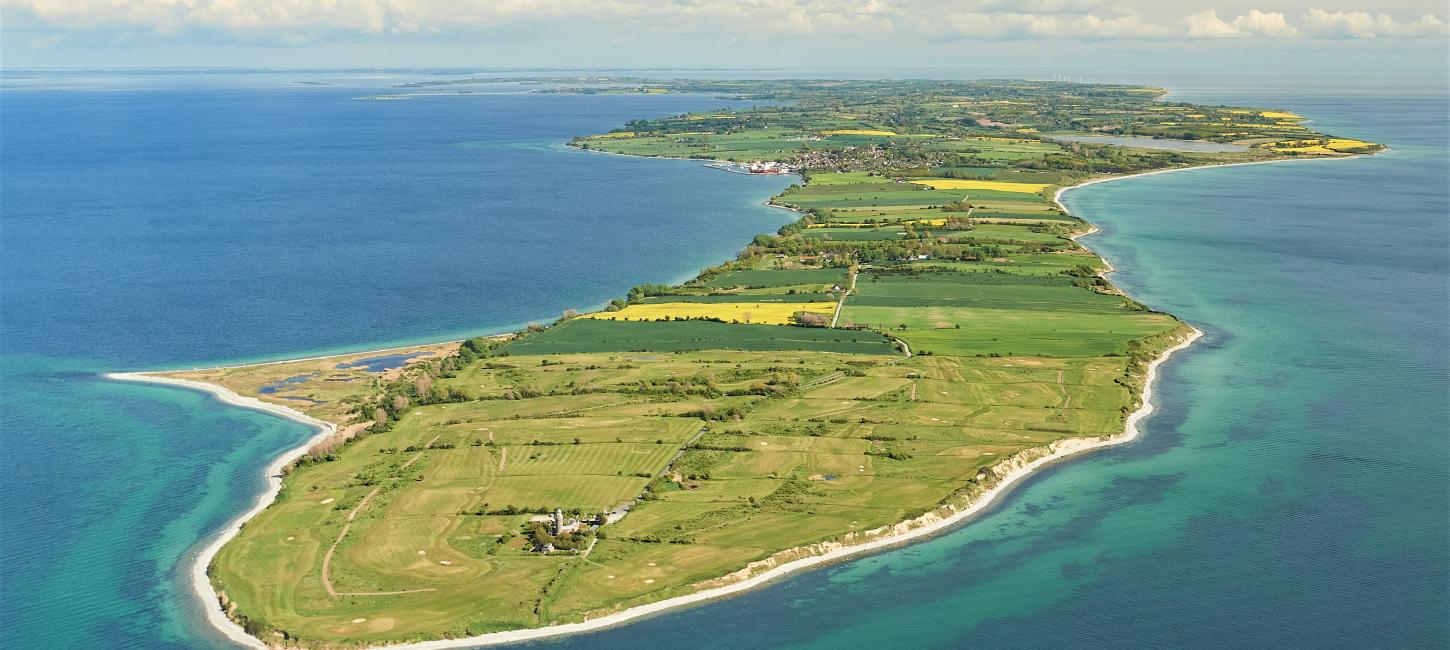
[{"x": 1079, "y": 38}]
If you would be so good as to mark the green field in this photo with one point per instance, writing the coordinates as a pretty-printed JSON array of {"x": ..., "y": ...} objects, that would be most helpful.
[
  {"x": 585, "y": 335},
  {"x": 976, "y": 313},
  {"x": 854, "y": 234},
  {"x": 689, "y": 449},
  {"x": 775, "y": 278},
  {"x": 799, "y": 464}
]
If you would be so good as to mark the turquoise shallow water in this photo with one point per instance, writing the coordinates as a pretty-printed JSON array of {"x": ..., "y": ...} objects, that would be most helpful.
[
  {"x": 157, "y": 221},
  {"x": 1291, "y": 492}
]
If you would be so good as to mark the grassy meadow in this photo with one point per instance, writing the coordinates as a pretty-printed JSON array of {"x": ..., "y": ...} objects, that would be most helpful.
[{"x": 766, "y": 405}]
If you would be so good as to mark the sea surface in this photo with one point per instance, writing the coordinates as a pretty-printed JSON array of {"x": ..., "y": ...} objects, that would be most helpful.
[
  {"x": 1292, "y": 490},
  {"x": 170, "y": 221}
]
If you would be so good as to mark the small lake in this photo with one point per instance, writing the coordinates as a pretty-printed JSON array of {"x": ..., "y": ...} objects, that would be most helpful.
[
  {"x": 1170, "y": 144},
  {"x": 381, "y": 363},
  {"x": 282, "y": 384}
]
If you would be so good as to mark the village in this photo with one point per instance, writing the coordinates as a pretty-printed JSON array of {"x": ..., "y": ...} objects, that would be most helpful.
[{"x": 770, "y": 167}]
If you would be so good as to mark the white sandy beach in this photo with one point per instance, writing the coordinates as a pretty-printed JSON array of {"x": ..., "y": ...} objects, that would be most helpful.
[
  {"x": 1057, "y": 197},
  {"x": 273, "y": 473},
  {"x": 929, "y": 524},
  {"x": 1011, "y": 471}
]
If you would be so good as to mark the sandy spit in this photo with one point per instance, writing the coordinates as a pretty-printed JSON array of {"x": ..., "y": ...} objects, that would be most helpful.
[
  {"x": 1057, "y": 197},
  {"x": 929, "y": 524},
  {"x": 200, "y": 585},
  {"x": 926, "y": 525}
]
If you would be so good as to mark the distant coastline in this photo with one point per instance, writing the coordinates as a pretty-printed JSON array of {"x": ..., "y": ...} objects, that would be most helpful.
[
  {"x": 955, "y": 510},
  {"x": 932, "y": 523}
]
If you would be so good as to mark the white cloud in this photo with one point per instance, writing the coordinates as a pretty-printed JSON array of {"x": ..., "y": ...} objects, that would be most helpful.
[
  {"x": 1044, "y": 6},
  {"x": 409, "y": 16},
  {"x": 1359, "y": 24},
  {"x": 1026, "y": 25},
  {"x": 292, "y": 21},
  {"x": 1207, "y": 24}
]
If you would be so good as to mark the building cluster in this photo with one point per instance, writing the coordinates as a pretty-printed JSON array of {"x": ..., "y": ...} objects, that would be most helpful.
[
  {"x": 564, "y": 524},
  {"x": 870, "y": 158},
  {"x": 551, "y": 531},
  {"x": 768, "y": 167}
]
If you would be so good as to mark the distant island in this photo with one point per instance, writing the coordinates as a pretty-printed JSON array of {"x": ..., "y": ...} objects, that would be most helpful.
[{"x": 926, "y": 332}]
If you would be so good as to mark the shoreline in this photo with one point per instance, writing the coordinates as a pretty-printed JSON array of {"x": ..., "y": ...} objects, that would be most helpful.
[
  {"x": 151, "y": 374},
  {"x": 925, "y": 525},
  {"x": 200, "y": 583},
  {"x": 1057, "y": 196},
  {"x": 1093, "y": 228},
  {"x": 917, "y": 528}
]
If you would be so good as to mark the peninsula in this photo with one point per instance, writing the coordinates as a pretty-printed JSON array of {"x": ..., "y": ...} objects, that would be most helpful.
[{"x": 927, "y": 331}]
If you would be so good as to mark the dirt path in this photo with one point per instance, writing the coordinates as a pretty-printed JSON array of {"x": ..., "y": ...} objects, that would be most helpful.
[
  {"x": 1066, "y": 397},
  {"x": 418, "y": 455},
  {"x": 841, "y": 304},
  {"x": 327, "y": 559},
  {"x": 591, "y": 408},
  {"x": 503, "y": 459},
  {"x": 905, "y": 350},
  {"x": 913, "y": 391},
  {"x": 352, "y": 516},
  {"x": 823, "y": 380}
]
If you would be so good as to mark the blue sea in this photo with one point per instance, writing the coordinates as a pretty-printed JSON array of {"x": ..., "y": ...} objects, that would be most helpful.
[{"x": 1290, "y": 492}]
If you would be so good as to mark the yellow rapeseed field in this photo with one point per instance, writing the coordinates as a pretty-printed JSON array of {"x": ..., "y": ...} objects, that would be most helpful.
[
  {"x": 768, "y": 313},
  {"x": 858, "y": 132},
  {"x": 616, "y": 134},
  {"x": 1280, "y": 115},
  {"x": 1334, "y": 145},
  {"x": 996, "y": 186},
  {"x": 1340, "y": 144}
]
